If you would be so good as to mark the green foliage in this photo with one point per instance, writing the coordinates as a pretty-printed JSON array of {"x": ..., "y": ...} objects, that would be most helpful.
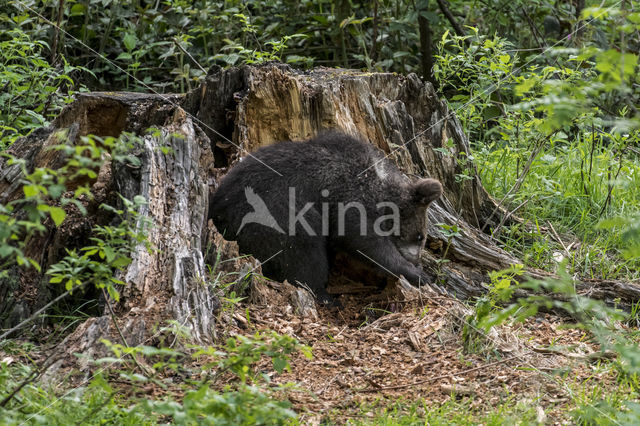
[
  {"x": 46, "y": 195},
  {"x": 503, "y": 283},
  {"x": 247, "y": 401},
  {"x": 163, "y": 45},
  {"x": 32, "y": 91},
  {"x": 114, "y": 401},
  {"x": 36, "y": 404},
  {"x": 479, "y": 75},
  {"x": 43, "y": 187},
  {"x": 452, "y": 411},
  {"x": 249, "y": 405},
  {"x": 553, "y": 139},
  {"x": 602, "y": 323},
  {"x": 252, "y": 399},
  {"x": 242, "y": 352},
  {"x": 110, "y": 251},
  {"x": 630, "y": 227}
]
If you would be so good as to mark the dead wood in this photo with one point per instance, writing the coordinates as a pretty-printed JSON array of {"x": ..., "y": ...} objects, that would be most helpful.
[{"x": 234, "y": 112}]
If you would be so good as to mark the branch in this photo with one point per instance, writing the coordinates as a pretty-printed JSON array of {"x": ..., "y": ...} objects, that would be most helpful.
[
  {"x": 444, "y": 8},
  {"x": 41, "y": 310}
]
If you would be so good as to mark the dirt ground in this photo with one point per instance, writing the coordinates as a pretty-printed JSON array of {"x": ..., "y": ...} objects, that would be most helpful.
[
  {"x": 402, "y": 344},
  {"x": 385, "y": 347}
]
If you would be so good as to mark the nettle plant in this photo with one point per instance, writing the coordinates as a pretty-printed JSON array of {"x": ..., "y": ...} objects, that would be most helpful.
[
  {"x": 475, "y": 73},
  {"x": 47, "y": 196},
  {"x": 603, "y": 325},
  {"x": 554, "y": 136},
  {"x": 32, "y": 91}
]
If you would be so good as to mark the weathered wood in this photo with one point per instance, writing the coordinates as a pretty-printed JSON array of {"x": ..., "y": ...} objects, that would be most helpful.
[
  {"x": 234, "y": 112},
  {"x": 400, "y": 115},
  {"x": 171, "y": 281}
]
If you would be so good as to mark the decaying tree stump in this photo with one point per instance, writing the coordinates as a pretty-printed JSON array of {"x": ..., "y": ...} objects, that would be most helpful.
[
  {"x": 400, "y": 115},
  {"x": 234, "y": 112},
  {"x": 166, "y": 283}
]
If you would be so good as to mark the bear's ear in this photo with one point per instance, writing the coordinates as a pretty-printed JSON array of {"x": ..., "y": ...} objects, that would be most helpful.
[{"x": 424, "y": 191}]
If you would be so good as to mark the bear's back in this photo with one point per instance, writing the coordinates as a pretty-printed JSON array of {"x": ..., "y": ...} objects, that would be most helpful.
[{"x": 331, "y": 167}]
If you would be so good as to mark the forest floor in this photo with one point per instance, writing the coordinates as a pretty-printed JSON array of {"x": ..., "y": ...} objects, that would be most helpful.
[
  {"x": 380, "y": 358},
  {"x": 372, "y": 353}
]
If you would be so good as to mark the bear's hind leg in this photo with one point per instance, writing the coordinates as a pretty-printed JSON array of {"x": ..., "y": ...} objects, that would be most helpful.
[{"x": 308, "y": 265}]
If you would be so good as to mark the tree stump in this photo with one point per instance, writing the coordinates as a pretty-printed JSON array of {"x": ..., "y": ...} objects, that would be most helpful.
[
  {"x": 400, "y": 115},
  {"x": 232, "y": 113}
]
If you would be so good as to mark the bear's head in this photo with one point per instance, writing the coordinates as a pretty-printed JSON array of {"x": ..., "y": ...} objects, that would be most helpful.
[{"x": 413, "y": 217}]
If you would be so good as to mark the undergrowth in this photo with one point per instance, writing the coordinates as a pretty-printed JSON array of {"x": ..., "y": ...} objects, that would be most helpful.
[
  {"x": 117, "y": 393},
  {"x": 555, "y": 142},
  {"x": 554, "y": 137}
]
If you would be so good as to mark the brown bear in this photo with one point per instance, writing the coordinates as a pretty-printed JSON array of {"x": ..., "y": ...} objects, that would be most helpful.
[{"x": 292, "y": 204}]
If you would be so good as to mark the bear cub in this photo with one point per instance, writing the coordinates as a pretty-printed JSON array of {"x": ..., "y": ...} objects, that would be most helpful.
[{"x": 292, "y": 205}]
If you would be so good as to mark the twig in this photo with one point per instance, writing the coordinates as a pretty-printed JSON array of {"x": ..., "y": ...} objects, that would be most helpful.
[
  {"x": 39, "y": 311},
  {"x": 56, "y": 34},
  {"x": 321, "y": 391},
  {"x": 558, "y": 238},
  {"x": 444, "y": 376},
  {"x": 444, "y": 8},
  {"x": 189, "y": 55},
  {"x": 507, "y": 216}
]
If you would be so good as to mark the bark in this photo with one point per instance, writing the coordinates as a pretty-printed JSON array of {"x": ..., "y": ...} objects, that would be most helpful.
[
  {"x": 168, "y": 283},
  {"x": 234, "y": 112}
]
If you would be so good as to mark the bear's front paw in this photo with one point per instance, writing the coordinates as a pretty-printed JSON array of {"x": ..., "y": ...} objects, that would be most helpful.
[
  {"x": 325, "y": 299},
  {"x": 432, "y": 281}
]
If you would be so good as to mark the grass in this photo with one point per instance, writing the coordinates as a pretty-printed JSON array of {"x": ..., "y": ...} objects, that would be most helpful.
[
  {"x": 569, "y": 190},
  {"x": 451, "y": 412},
  {"x": 592, "y": 402},
  {"x": 114, "y": 392}
]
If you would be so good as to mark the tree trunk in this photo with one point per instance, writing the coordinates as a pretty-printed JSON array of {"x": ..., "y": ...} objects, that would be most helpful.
[
  {"x": 234, "y": 112},
  {"x": 424, "y": 30},
  {"x": 167, "y": 283}
]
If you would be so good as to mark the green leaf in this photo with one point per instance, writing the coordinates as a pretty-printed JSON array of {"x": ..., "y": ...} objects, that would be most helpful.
[
  {"x": 113, "y": 293},
  {"x": 121, "y": 262},
  {"x": 130, "y": 40},
  {"x": 279, "y": 363},
  {"x": 57, "y": 214},
  {"x": 55, "y": 191},
  {"x": 30, "y": 190},
  {"x": 77, "y": 9},
  {"x": 6, "y": 250},
  {"x": 91, "y": 252},
  {"x": 109, "y": 253}
]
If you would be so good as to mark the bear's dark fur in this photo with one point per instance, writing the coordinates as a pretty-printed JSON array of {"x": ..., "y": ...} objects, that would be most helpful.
[{"x": 287, "y": 204}]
